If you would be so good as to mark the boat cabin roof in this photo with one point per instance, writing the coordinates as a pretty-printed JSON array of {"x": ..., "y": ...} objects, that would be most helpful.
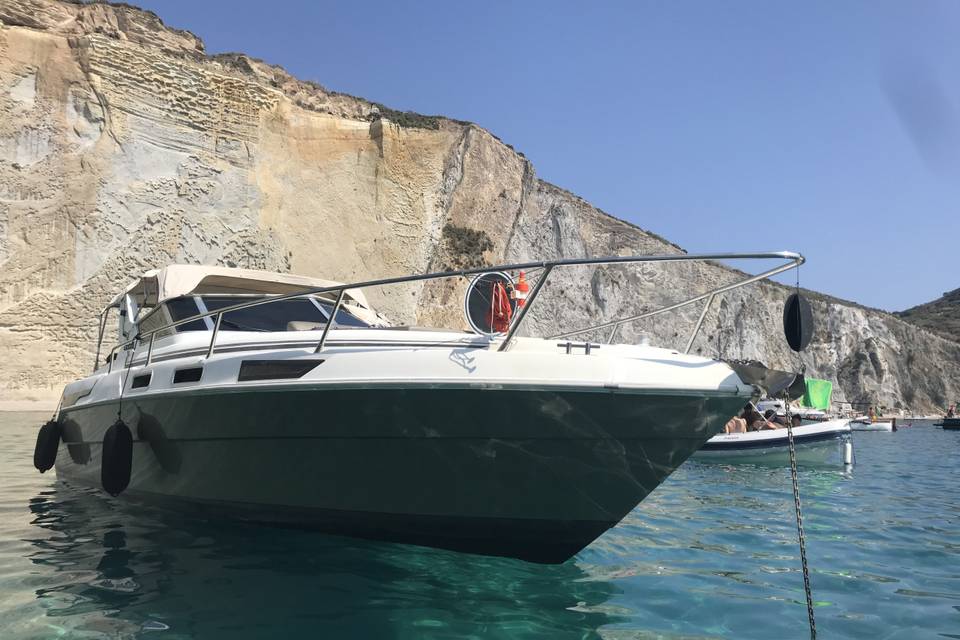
[{"x": 176, "y": 280}]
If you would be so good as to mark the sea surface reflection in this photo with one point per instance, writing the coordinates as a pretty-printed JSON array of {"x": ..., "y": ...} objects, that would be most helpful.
[
  {"x": 712, "y": 553},
  {"x": 126, "y": 569}
]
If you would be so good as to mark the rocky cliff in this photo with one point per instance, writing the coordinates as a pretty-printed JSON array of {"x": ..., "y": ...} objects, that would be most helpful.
[
  {"x": 124, "y": 147},
  {"x": 941, "y": 316}
]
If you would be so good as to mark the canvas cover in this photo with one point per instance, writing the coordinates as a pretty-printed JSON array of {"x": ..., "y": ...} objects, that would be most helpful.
[{"x": 176, "y": 280}]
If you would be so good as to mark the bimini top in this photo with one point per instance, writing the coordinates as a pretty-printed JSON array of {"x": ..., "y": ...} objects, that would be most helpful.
[{"x": 157, "y": 285}]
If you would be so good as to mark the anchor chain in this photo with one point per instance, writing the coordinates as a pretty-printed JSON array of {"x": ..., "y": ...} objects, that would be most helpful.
[{"x": 799, "y": 514}]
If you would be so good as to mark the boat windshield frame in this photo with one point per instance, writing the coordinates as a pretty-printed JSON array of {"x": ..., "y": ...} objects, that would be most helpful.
[{"x": 792, "y": 260}]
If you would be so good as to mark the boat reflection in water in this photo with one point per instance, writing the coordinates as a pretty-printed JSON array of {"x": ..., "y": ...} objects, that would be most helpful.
[{"x": 115, "y": 569}]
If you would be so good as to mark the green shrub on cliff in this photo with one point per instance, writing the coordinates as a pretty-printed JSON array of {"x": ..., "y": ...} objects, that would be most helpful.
[
  {"x": 406, "y": 118},
  {"x": 941, "y": 316},
  {"x": 464, "y": 247}
]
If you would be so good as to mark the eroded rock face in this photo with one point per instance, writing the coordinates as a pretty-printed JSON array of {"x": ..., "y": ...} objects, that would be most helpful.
[{"x": 124, "y": 148}]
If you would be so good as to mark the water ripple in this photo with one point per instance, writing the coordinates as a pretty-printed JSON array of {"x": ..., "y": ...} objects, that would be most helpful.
[{"x": 711, "y": 554}]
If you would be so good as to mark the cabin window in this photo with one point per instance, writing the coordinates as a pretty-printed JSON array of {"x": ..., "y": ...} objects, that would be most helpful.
[
  {"x": 191, "y": 374},
  {"x": 141, "y": 381}
]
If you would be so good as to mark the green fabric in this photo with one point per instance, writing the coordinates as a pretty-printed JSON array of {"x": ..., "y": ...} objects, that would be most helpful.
[{"x": 818, "y": 394}]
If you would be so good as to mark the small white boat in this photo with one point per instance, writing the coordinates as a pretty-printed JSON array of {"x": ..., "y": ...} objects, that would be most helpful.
[
  {"x": 864, "y": 423},
  {"x": 824, "y": 443}
]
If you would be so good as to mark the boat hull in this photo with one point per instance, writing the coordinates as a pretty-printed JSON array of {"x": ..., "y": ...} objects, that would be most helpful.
[
  {"x": 951, "y": 424},
  {"x": 532, "y": 474},
  {"x": 822, "y": 444},
  {"x": 884, "y": 426}
]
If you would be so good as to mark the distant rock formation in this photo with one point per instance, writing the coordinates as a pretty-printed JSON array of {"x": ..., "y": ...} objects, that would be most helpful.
[
  {"x": 941, "y": 316},
  {"x": 124, "y": 147}
]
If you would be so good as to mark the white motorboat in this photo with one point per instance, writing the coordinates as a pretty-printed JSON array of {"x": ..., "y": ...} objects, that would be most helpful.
[
  {"x": 821, "y": 443},
  {"x": 233, "y": 391},
  {"x": 864, "y": 423}
]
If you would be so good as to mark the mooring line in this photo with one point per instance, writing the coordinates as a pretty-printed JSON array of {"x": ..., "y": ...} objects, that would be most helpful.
[{"x": 796, "y": 504}]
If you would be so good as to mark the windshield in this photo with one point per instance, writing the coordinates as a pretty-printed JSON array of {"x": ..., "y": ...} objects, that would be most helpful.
[
  {"x": 344, "y": 317},
  {"x": 171, "y": 311},
  {"x": 297, "y": 314}
]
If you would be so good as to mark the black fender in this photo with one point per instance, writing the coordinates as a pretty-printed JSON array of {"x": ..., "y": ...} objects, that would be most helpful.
[
  {"x": 797, "y": 322},
  {"x": 117, "y": 458},
  {"x": 48, "y": 443}
]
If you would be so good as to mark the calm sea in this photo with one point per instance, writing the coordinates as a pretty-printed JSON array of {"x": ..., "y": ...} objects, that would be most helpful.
[{"x": 712, "y": 553}]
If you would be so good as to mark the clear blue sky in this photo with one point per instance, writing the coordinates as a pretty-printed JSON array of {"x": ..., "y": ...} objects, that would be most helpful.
[{"x": 832, "y": 128}]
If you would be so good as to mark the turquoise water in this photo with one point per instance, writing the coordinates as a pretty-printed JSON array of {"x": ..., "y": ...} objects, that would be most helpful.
[{"x": 710, "y": 554}]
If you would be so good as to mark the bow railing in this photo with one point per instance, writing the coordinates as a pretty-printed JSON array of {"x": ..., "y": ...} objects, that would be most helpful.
[{"x": 792, "y": 260}]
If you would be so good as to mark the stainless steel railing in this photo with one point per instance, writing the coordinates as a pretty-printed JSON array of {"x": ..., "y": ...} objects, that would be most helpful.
[{"x": 793, "y": 260}]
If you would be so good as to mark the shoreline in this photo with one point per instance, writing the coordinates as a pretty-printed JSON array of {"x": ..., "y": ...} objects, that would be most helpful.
[{"x": 24, "y": 406}]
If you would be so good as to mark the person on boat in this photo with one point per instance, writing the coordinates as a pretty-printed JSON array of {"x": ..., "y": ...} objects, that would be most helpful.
[
  {"x": 951, "y": 412},
  {"x": 750, "y": 415},
  {"x": 755, "y": 421},
  {"x": 795, "y": 420},
  {"x": 772, "y": 417},
  {"x": 735, "y": 425},
  {"x": 770, "y": 420}
]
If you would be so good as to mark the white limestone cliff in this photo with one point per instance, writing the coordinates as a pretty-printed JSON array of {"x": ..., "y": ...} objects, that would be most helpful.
[{"x": 123, "y": 148}]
